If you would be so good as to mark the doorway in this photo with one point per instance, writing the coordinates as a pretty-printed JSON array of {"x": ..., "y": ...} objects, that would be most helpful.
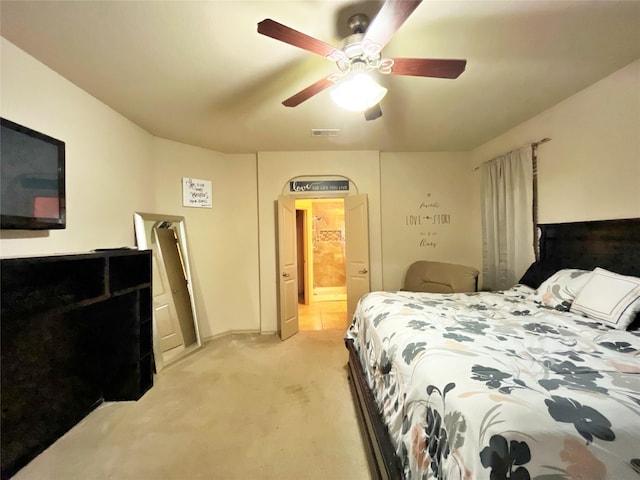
[
  {"x": 320, "y": 240},
  {"x": 356, "y": 236}
]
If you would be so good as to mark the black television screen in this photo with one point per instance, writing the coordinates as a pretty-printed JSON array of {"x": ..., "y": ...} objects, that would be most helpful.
[{"x": 32, "y": 181}]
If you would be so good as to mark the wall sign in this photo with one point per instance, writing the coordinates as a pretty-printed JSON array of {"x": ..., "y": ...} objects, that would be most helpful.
[
  {"x": 428, "y": 221},
  {"x": 318, "y": 185},
  {"x": 196, "y": 193}
]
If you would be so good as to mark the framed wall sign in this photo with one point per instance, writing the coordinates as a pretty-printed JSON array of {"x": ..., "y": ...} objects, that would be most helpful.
[
  {"x": 318, "y": 185},
  {"x": 196, "y": 193}
]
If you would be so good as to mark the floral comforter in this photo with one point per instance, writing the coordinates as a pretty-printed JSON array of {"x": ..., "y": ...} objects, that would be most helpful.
[{"x": 492, "y": 385}]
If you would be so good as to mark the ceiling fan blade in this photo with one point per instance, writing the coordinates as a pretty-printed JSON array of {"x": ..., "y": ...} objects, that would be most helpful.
[
  {"x": 426, "y": 67},
  {"x": 373, "y": 112},
  {"x": 276, "y": 30},
  {"x": 309, "y": 92},
  {"x": 390, "y": 18}
]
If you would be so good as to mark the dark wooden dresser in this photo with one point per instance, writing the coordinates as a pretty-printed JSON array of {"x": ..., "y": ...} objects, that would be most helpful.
[{"x": 75, "y": 332}]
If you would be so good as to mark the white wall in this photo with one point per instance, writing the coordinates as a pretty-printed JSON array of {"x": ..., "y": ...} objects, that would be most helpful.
[
  {"x": 223, "y": 240},
  {"x": 427, "y": 212},
  {"x": 591, "y": 168},
  {"x": 275, "y": 169},
  {"x": 108, "y": 158}
]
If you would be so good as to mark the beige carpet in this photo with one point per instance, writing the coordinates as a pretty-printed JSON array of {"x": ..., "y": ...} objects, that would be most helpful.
[{"x": 243, "y": 407}]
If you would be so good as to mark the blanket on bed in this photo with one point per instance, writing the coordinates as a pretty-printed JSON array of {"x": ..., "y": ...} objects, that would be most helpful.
[{"x": 493, "y": 385}]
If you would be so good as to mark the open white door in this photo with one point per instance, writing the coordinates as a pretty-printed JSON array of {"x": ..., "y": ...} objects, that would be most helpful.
[
  {"x": 287, "y": 268},
  {"x": 356, "y": 219}
]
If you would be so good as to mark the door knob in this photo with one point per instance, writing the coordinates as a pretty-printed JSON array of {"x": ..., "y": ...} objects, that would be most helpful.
[
  {"x": 285, "y": 274},
  {"x": 363, "y": 271}
]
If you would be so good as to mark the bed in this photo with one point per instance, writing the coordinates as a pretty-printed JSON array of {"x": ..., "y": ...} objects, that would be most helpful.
[{"x": 531, "y": 382}]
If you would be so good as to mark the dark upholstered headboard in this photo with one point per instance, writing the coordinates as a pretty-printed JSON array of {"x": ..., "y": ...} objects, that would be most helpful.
[{"x": 610, "y": 244}]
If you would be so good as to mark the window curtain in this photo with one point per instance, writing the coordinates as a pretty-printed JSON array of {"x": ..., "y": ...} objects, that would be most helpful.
[{"x": 507, "y": 218}]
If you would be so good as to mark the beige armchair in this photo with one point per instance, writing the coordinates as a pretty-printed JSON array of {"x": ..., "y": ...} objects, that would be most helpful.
[{"x": 439, "y": 277}]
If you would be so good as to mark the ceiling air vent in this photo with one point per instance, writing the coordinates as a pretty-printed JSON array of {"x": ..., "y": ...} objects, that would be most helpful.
[{"x": 325, "y": 132}]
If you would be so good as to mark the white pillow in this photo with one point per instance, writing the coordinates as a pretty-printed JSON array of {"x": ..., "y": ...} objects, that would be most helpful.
[
  {"x": 610, "y": 298},
  {"x": 560, "y": 289}
]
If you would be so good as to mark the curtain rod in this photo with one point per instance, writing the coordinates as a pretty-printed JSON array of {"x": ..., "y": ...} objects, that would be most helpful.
[{"x": 534, "y": 145}]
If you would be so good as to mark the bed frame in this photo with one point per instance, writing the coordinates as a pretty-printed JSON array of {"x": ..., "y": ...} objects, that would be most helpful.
[{"x": 610, "y": 244}]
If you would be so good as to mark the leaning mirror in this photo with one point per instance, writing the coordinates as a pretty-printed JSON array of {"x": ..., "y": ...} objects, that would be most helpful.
[{"x": 175, "y": 323}]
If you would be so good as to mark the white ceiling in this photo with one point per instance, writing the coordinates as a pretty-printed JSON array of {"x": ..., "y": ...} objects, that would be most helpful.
[{"x": 199, "y": 73}]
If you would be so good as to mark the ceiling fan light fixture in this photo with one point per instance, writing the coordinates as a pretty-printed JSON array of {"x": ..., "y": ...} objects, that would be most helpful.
[{"x": 358, "y": 93}]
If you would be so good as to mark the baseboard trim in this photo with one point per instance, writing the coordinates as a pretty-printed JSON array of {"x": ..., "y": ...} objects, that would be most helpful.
[{"x": 232, "y": 332}]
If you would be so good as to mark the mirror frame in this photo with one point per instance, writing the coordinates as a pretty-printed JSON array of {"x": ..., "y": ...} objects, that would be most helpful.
[{"x": 140, "y": 220}]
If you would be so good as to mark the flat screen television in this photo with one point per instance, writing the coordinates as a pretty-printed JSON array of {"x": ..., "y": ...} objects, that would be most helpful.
[{"x": 32, "y": 179}]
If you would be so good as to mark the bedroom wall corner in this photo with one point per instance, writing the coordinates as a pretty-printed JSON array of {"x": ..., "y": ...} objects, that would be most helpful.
[
  {"x": 591, "y": 168},
  {"x": 222, "y": 240},
  {"x": 428, "y": 212}
]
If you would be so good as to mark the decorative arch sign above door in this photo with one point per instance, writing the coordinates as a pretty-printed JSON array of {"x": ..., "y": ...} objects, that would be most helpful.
[
  {"x": 318, "y": 185},
  {"x": 324, "y": 185}
]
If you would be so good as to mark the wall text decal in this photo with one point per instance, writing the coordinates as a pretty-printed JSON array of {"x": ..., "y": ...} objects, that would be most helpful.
[{"x": 429, "y": 219}]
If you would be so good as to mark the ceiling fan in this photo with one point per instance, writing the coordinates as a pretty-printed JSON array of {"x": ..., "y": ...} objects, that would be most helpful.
[{"x": 361, "y": 52}]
